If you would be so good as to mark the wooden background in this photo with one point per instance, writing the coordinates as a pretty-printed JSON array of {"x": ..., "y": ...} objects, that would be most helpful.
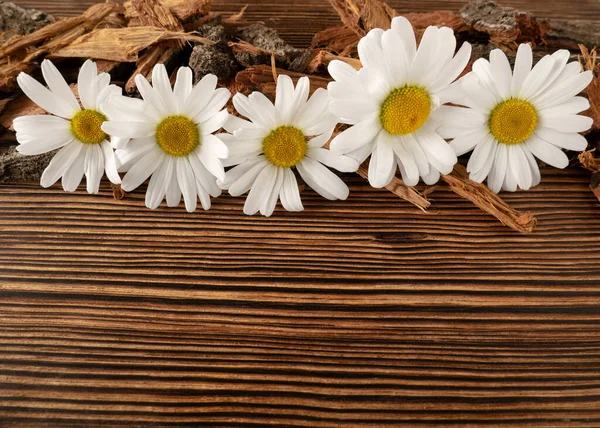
[{"x": 358, "y": 313}]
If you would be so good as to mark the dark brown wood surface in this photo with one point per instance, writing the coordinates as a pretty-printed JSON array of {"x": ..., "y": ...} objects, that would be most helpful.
[{"x": 358, "y": 313}]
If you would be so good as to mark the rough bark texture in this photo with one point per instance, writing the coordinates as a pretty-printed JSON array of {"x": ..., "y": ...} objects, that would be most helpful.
[
  {"x": 217, "y": 59},
  {"x": 16, "y": 20},
  {"x": 15, "y": 168},
  {"x": 268, "y": 42}
]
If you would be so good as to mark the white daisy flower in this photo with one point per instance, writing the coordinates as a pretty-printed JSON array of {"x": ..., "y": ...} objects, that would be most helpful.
[
  {"x": 393, "y": 102},
  {"x": 516, "y": 115},
  {"x": 168, "y": 135},
  {"x": 84, "y": 149},
  {"x": 278, "y": 137}
]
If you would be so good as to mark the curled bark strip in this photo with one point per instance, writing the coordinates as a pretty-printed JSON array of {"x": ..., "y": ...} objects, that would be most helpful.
[
  {"x": 397, "y": 187},
  {"x": 488, "y": 201}
]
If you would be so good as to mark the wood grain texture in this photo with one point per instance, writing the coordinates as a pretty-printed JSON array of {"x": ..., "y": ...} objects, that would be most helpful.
[{"x": 363, "y": 313}]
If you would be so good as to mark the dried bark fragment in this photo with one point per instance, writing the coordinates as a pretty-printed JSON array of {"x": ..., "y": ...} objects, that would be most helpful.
[
  {"x": 319, "y": 60},
  {"x": 363, "y": 15},
  {"x": 588, "y": 161},
  {"x": 121, "y": 44},
  {"x": 153, "y": 13},
  {"x": 14, "y": 20},
  {"x": 341, "y": 40},
  {"x": 488, "y": 201},
  {"x": 595, "y": 184},
  {"x": 15, "y": 167},
  {"x": 20, "y": 106},
  {"x": 570, "y": 34},
  {"x": 117, "y": 191},
  {"x": 397, "y": 187},
  {"x": 217, "y": 58},
  {"x": 183, "y": 10},
  {"x": 589, "y": 61},
  {"x": 440, "y": 18},
  {"x": 262, "y": 43},
  {"x": 505, "y": 25},
  {"x": 260, "y": 78}
]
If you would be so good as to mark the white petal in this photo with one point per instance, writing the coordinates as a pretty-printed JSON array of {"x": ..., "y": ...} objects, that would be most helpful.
[
  {"x": 480, "y": 174},
  {"x": 537, "y": 78},
  {"x": 466, "y": 142},
  {"x": 269, "y": 206},
  {"x": 547, "y": 152},
  {"x": 397, "y": 64},
  {"x": 535, "y": 169},
  {"x": 446, "y": 46},
  {"x": 94, "y": 168},
  {"x": 569, "y": 123},
  {"x": 72, "y": 176},
  {"x": 157, "y": 187},
  {"x": 182, "y": 88},
  {"x": 234, "y": 123},
  {"x": 498, "y": 171},
  {"x": 205, "y": 181},
  {"x": 261, "y": 190},
  {"x": 523, "y": 63},
  {"x": 110, "y": 165},
  {"x": 438, "y": 152},
  {"x": 510, "y": 179},
  {"x": 213, "y": 146},
  {"x": 501, "y": 72},
  {"x": 298, "y": 102},
  {"x": 406, "y": 162},
  {"x": 41, "y": 134},
  {"x": 173, "y": 192},
  {"x": 369, "y": 50},
  {"x": 356, "y": 136},
  {"x": 214, "y": 123},
  {"x": 573, "y": 106},
  {"x": 419, "y": 156},
  {"x": 432, "y": 178},
  {"x": 482, "y": 98},
  {"x": 316, "y": 107},
  {"x": 343, "y": 72},
  {"x": 453, "y": 69},
  {"x": 47, "y": 100},
  {"x": 86, "y": 84},
  {"x": 569, "y": 141},
  {"x": 458, "y": 117},
  {"x": 187, "y": 184},
  {"x": 284, "y": 98},
  {"x": 425, "y": 56},
  {"x": 216, "y": 104},
  {"x": 162, "y": 84},
  {"x": 289, "y": 194},
  {"x": 106, "y": 95},
  {"x": 403, "y": 27},
  {"x": 135, "y": 150},
  {"x": 201, "y": 94},
  {"x": 247, "y": 179},
  {"x": 60, "y": 163},
  {"x": 481, "y": 154},
  {"x": 58, "y": 85},
  {"x": 151, "y": 96},
  {"x": 333, "y": 160},
  {"x": 142, "y": 169},
  {"x": 129, "y": 129},
  {"x": 382, "y": 166},
  {"x": 563, "y": 91},
  {"x": 520, "y": 166},
  {"x": 264, "y": 109},
  {"x": 320, "y": 140},
  {"x": 322, "y": 180}
]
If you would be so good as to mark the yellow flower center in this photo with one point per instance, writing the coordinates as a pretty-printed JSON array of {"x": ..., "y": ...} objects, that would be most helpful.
[
  {"x": 177, "y": 135},
  {"x": 405, "y": 110},
  {"x": 513, "y": 121},
  {"x": 85, "y": 126},
  {"x": 284, "y": 146}
]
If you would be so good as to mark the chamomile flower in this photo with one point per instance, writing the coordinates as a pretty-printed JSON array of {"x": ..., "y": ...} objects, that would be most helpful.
[
  {"x": 393, "y": 102},
  {"x": 84, "y": 146},
  {"x": 516, "y": 115},
  {"x": 277, "y": 138},
  {"x": 169, "y": 136}
]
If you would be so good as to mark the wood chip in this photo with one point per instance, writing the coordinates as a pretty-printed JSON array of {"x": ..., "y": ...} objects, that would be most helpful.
[
  {"x": 363, "y": 15},
  {"x": 121, "y": 44},
  {"x": 342, "y": 40},
  {"x": 488, "y": 201},
  {"x": 183, "y": 10},
  {"x": 260, "y": 78},
  {"x": 588, "y": 161},
  {"x": 589, "y": 61}
]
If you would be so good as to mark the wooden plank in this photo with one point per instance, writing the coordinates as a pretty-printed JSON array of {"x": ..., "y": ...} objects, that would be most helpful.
[
  {"x": 298, "y": 21},
  {"x": 362, "y": 313}
]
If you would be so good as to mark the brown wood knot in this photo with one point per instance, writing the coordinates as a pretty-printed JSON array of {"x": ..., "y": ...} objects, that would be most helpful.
[{"x": 400, "y": 236}]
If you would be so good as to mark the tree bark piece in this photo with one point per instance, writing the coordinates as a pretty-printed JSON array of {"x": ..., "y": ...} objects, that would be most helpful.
[
  {"x": 363, "y": 15},
  {"x": 488, "y": 201},
  {"x": 397, "y": 187}
]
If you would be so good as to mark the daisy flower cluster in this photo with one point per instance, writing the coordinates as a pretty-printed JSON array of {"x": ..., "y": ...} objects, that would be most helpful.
[{"x": 406, "y": 110}]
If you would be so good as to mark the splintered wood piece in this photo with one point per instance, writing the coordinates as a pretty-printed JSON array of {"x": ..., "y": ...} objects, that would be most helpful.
[
  {"x": 397, "y": 187},
  {"x": 180, "y": 9},
  {"x": 342, "y": 40},
  {"x": 488, "y": 201},
  {"x": 156, "y": 14},
  {"x": 588, "y": 161},
  {"x": 121, "y": 44},
  {"x": 589, "y": 61},
  {"x": 94, "y": 14},
  {"x": 322, "y": 58},
  {"x": 364, "y": 15},
  {"x": 260, "y": 77},
  {"x": 243, "y": 46}
]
